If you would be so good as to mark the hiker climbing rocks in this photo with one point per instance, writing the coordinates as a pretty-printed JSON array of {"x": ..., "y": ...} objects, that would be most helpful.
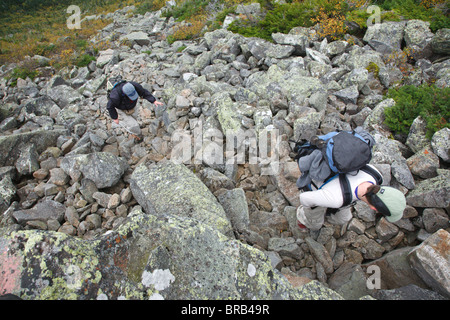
[
  {"x": 124, "y": 96},
  {"x": 315, "y": 204},
  {"x": 122, "y": 100},
  {"x": 339, "y": 163}
]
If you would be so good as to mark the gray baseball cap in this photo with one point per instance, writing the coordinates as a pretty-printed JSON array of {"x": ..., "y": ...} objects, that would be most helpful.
[{"x": 130, "y": 91}]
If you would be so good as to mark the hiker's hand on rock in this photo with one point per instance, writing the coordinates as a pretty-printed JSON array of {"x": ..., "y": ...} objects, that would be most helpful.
[
  {"x": 116, "y": 120},
  {"x": 157, "y": 103}
]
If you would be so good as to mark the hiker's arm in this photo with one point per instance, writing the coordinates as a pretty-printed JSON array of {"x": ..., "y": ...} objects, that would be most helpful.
[
  {"x": 146, "y": 94},
  {"x": 112, "y": 110},
  {"x": 143, "y": 93}
]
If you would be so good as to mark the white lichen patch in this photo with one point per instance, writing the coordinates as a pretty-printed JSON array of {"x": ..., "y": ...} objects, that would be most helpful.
[
  {"x": 251, "y": 270},
  {"x": 160, "y": 279},
  {"x": 102, "y": 296},
  {"x": 156, "y": 296}
]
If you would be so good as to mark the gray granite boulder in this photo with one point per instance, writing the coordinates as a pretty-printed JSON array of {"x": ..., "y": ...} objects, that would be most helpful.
[
  {"x": 103, "y": 168},
  {"x": 169, "y": 188}
]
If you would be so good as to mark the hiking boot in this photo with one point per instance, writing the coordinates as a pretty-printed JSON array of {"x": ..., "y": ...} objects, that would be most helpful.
[
  {"x": 300, "y": 217},
  {"x": 129, "y": 112}
]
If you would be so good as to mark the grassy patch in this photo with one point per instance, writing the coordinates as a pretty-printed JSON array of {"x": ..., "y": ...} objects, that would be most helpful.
[
  {"x": 426, "y": 10},
  {"x": 40, "y": 27},
  {"x": 22, "y": 73}
]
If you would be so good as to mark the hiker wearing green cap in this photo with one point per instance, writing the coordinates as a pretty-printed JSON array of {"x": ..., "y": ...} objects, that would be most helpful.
[{"x": 363, "y": 186}]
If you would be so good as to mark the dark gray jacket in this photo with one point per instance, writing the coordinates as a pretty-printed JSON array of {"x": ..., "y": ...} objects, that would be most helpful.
[
  {"x": 118, "y": 100},
  {"x": 312, "y": 167}
]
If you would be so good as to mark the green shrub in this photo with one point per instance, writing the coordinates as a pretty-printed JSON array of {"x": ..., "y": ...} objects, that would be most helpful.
[
  {"x": 282, "y": 19},
  {"x": 149, "y": 6},
  {"x": 374, "y": 68},
  {"x": 84, "y": 60},
  {"x": 187, "y": 9},
  {"x": 220, "y": 17},
  {"x": 45, "y": 49},
  {"x": 429, "y": 102},
  {"x": 358, "y": 16},
  {"x": 22, "y": 73}
]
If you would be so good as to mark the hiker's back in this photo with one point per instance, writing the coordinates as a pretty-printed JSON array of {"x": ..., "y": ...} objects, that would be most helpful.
[{"x": 335, "y": 153}]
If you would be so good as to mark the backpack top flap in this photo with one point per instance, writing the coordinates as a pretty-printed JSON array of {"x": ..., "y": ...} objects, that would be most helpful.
[
  {"x": 348, "y": 152},
  {"x": 113, "y": 82}
]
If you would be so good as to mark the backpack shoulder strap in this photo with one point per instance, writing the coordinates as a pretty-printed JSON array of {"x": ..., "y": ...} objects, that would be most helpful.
[
  {"x": 345, "y": 184},
  {"x": 374, "y": 173},
  {"x": 346, "y": 190}
]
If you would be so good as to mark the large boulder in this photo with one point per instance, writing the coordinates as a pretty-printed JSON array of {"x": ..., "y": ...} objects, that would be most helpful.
[
  {"x": 103, "y": 168},
  {"x": 105, "y": 57},
  {"x": 7, "y": 193},
  {"x": 64, "y": 95},
  {"x": 360, "y": 58},
  {"x": 149, "y": 257},
  {"x": 298, "y": 41},
  {"x": 396, "y": 270},
  {"x": 292, "y": 84},
  {"x": 441, "y": 42},
  {"x": 389, "y": 33},
  {"x": 431, "y": 261},
  {"x": 431, "y": 193},
  {"x": 11, "y": 146},
  {"x": 387, "y": 151},
  {"x": 236, "y": 208},
  {"x": 169, "y": 188},
  {"x": 39, "y": 106},
  {"x": 440, "y": 143},
  {"x": 227, "y": 114},
  {"x": 138, "y": 37},
  {"x": 43, "y": 211},
  {"x": 418, "y": 38}
]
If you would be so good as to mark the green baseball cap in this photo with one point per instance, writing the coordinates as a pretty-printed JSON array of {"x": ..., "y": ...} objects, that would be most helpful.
[{"x": 390, "y": 202}]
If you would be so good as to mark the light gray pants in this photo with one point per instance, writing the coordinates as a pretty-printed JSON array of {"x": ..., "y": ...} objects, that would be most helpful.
[{"x": 313, "y": 219}]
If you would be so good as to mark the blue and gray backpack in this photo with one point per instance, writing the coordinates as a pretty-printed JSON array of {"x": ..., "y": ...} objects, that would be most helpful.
[{"x": 344, "y": 152}]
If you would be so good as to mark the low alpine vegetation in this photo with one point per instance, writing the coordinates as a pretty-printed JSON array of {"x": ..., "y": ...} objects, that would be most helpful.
[{"x": 426, "y": 101}]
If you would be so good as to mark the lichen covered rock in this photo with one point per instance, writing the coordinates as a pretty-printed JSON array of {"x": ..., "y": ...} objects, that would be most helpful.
[
  {"x": 149, "y": 257},
  {"x": 169, "y": 188}
]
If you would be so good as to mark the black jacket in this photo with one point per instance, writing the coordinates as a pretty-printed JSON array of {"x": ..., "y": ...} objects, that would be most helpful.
[{"x": 118, "y": 100}]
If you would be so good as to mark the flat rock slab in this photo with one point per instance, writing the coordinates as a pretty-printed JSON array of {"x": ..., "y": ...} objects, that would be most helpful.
[
  {"x": 42, "y": 211},
  {"x": 169, "y": 188}
]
